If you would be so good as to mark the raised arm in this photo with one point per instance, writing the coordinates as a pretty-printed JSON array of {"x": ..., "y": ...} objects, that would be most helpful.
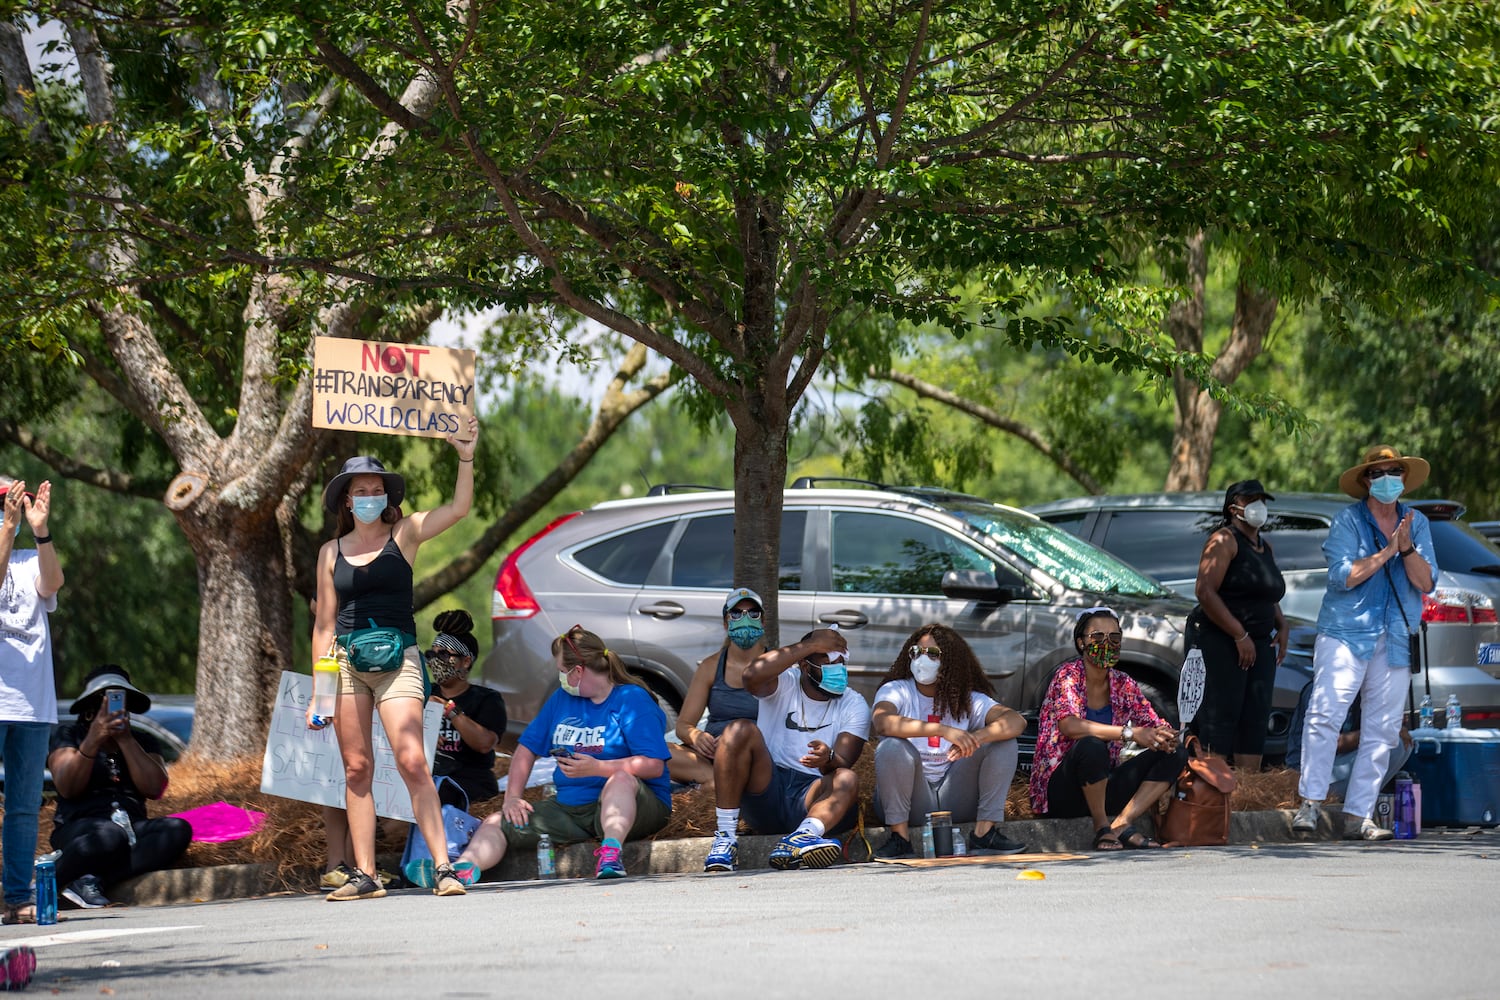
[
  {"x": 425, "y": 524},
  {"x": 760, "y": 676}
]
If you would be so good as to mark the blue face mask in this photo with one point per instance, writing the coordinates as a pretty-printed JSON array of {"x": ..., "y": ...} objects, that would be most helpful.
[
  {"x": 1387, "y": 488},
  {"x": 368, "y": 509},
  {"x": 745, "y": 634},
  {"x": 834, "y": 678}
]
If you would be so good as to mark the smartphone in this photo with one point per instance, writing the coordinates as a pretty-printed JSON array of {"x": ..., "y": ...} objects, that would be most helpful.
[
  {"x": 116, "y": 700},
  {"x": 562, "y": 751}
]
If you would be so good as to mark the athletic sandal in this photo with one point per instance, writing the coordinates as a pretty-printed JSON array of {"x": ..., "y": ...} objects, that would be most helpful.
[
  {"x": 19, "y": 913},
  {"x": 1134, "y": 840},
  {"x": 1106, "y": 840}
]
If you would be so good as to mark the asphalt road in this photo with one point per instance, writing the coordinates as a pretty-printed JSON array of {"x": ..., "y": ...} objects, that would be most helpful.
[{"x": 1330, "y": 920}]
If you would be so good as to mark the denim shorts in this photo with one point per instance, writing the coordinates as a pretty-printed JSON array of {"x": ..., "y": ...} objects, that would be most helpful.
[{"x": 782, "y": 805}]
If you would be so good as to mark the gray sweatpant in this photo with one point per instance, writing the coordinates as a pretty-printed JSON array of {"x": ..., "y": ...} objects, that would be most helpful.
[{"x": 972, "y": 788}]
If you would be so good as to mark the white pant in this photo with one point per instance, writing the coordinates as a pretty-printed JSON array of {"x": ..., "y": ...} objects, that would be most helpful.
[{"x": 1338, "y": 676}]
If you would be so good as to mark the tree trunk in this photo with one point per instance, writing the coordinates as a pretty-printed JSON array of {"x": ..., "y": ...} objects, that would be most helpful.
[
  {"x": 760, "y": 464},
  {"x": 245, "y": 625}
]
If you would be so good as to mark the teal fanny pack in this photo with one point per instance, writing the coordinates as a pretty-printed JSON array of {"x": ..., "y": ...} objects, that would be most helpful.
[{"x": 376, "y": 650}]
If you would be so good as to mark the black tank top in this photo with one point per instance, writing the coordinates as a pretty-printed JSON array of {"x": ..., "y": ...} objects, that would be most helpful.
[
  {"x": 1252, "y": 585},
  {"x": 725, "y": 703},
  {"x": 381, "y": 589}
]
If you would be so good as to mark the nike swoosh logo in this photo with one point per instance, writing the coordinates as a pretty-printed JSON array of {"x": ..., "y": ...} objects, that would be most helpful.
[{"x": 791, "y": 723}]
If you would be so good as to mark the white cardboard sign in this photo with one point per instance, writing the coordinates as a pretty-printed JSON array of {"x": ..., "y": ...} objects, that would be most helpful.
[
  {"x": 304, "y": 764},
  {"x": 410, "y": 389},
  {"x": 1190, "y": 686}
]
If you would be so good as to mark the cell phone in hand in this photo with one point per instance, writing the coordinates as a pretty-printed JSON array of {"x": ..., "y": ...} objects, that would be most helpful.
[
  {"x": 562, "y": 751},
  {"x": 116, "y": 700}
]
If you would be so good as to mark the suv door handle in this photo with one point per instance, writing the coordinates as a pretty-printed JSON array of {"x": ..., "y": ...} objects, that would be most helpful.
[
  {"x": 666, "y": 609},
  {"x": 844, "y": 619}
]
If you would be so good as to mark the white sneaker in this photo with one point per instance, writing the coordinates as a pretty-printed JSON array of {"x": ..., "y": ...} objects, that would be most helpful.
[
  {"x": 1364, "y": 828},
  {"x": 1306, "y": 820}
]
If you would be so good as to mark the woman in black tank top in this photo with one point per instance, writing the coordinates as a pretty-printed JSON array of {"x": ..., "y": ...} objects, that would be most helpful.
[
  {"x": 717, "y": 688},
  {"x": 1240, "y": 629},
  {"x": 365, "y": 575}
]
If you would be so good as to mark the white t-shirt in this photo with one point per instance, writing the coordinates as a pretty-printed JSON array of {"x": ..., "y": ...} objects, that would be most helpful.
[
  {"x": 27, "y": 691},
  {"x": 913, "y": 704},
  {"x": 789, "y": 720}
]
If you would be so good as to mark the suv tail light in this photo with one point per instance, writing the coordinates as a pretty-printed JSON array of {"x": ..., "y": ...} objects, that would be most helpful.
[
  {"x": 1450, "y": 604},
  {"x": 512, "y": 598}
]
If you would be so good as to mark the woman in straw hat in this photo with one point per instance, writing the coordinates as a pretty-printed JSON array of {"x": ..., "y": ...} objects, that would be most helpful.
[
  {"x": 1377, "y": 549},
  {"x": 365, "y": 580}
]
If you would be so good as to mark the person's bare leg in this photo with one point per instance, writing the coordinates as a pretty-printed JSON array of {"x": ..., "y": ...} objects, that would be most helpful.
[
  {"x": 617, "y": 805},
  {"x": 402, "y": 720},
  {"x": 487, "y": 847},
  {"x": 353, "y": 725}
]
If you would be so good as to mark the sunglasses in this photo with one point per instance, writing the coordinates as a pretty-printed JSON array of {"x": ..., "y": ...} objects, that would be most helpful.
[
  {"x": 1113, "y": 638},
  {"x": 1374, "y": 474},
  {"x": 752, "y": 614},
  {"x": 567, "y": 637},
  {"x": 917, "y": 651}
]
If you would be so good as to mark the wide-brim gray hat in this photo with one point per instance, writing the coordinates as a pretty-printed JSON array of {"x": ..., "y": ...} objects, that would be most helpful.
[
  {"x": 362, "y": 465},
  {"x": 136, "y": 701}
]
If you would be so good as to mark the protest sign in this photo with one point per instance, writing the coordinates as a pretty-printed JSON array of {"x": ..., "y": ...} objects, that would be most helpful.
[
  {"x": 411, "y": 389},
  {"x": 304, "y": 764},
  {"x": 1190, "y": 685}
]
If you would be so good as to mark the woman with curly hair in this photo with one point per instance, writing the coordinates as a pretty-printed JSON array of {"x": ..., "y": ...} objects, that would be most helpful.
[{"x": 946, "y": 743}]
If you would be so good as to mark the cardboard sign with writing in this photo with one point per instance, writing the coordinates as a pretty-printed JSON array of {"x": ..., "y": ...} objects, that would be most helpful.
[
  {"x": 411, "y": 389},
  {"x": 304, "y": 764}
]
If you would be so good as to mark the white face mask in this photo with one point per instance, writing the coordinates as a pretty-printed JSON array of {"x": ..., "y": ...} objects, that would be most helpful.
[
  {"x": 1255, "y": 513},
  {"x": 924, "y": 669},
  {"x": 572, "y": 689}
]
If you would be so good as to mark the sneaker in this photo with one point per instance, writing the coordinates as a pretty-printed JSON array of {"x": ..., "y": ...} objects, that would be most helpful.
[
  {"x": 895, "y": 846},
  {"x": 420, "y": 872},
  {"x": 359, "y": 886},
  {"x": 1306, "y": 820},
  {"x": 17, "y": 966},
  {"x": 446, "y": 883},
  {"x": 336, "y": 876},
  {"x": 609, "y": 865},
  {"x": 85, "y": 893},
  {"x": 1364, "y": 828},
  {"x": 724, "y": 856},
  {"x": 798, "y": 849},
  {"x": 385, "y": 878},
  {"x": 995, "y": 842},
  {"x": 466, "y": 872}
]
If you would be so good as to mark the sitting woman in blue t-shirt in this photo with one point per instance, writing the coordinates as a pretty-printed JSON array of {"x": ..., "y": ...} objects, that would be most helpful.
[{"x": 607, "y": 734}]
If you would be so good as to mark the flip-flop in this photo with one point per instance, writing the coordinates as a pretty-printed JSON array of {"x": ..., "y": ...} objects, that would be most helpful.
[
  {"x": 1134, "y": 840},
  {"x": 1105, "y": 839}
]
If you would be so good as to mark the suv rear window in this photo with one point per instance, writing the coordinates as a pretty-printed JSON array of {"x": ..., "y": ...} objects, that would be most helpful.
[
  {"x": 704, "y": 557},
  {"x": 1168, "y": 543},
  {"x": 628, "y": 556},
  {"x": 886, "y": 554}
]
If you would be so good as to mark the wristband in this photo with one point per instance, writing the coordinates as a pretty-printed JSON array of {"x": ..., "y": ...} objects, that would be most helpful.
[
  {"x": 1403, "y": 554},
  {"x": 1243, "y": 636},
  {"x": 43, "y": 539},
  {"x": 465, "y": 461}
]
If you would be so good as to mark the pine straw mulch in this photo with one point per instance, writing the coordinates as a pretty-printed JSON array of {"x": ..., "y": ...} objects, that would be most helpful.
[{"x": 292, "y": 840}]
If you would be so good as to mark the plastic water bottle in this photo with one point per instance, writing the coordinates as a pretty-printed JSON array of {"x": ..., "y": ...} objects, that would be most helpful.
[
  {"x": 1424, "y": 712},
  {"x": 928, "y": 850},
  {"x": 546, "y": 858},
  {"x": 118, "y": 817},
  {"x": 960, "y": 849},
  {"x": 46, "y": 888},
  {"x": 1455, "y": 713},
  {"x": 325, "y": 688}
]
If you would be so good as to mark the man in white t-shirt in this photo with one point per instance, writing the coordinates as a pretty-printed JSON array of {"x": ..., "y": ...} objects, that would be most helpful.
[
  {"x": 28, "y": 696},
  {"x": 791, "y": 770}
]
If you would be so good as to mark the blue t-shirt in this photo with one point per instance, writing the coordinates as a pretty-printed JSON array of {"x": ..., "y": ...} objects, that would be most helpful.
[{"x": 626, "y": 724}]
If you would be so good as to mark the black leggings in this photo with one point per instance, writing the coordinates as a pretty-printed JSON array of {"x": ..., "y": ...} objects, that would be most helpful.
[
  {"x": 100, "y": 848},
  {"x": 1236, "y": 703},
  {"x": 1087, "y": 763}
]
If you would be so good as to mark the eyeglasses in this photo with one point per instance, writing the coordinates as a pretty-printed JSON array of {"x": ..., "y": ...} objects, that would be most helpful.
[
  {"x": 737, "y": 614},
  {"x": 1393, "y": 470},
  {"x": 1113, "y": 638},
  {"x": 926, "y": 651},
  {"x": 567, "y": 637}
]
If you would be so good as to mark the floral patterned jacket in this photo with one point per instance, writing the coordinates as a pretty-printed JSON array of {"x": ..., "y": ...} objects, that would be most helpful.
[{"x": 1067, "y": 695}]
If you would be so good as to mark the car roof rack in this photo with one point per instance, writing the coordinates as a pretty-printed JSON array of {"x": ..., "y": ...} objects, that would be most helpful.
[
  {"x": 811, "y": 482},
  {"x": 667, "y": 489}
]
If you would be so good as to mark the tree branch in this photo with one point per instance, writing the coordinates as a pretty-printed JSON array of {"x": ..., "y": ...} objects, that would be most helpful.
[{"x": 70, "y": 468}]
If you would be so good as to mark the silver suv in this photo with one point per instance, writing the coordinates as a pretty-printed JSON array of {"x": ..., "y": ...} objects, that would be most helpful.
[
  {"x": 1163, "y": 534},
  {"x": 649, "y": 576}
]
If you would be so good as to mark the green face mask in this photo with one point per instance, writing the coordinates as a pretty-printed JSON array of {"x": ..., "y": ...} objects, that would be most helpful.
[{"x": 1105, "y": 654}]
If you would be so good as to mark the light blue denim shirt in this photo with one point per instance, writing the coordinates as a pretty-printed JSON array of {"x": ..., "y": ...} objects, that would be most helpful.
[{"x": 1358, "y": 617}]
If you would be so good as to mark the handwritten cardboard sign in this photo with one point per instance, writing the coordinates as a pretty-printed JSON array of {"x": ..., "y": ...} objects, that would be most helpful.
[
  {"x": 304, "y": 764},
  {"x": 411, "y": 389}
]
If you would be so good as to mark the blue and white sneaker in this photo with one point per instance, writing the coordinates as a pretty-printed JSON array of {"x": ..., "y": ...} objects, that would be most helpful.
[
  {"x": 798, "y": 849},
  {"x": 724, "y": 856}
]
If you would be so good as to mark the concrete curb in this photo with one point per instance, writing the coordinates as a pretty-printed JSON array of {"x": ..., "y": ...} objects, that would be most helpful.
[{"x": 222, "y": 882}]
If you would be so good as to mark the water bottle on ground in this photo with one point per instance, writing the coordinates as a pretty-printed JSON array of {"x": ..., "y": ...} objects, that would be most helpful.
[
  {"x": 46, "y": 889},
  {"x": 1455, "y": 713},
  {"x": 928, "y": 851},
  {"x": 118, "y": 817},
  {"x": 325, "y": 688},
  {"x": 1424, "y": 713},
  {"x": 960, "y": 849},
  {"x": 546, "y": 858}
]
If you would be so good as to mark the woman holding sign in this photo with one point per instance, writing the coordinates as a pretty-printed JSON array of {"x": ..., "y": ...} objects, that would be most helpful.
[
  {"x": 365, "y": 615},
  {"x": 1239, "y": 628}
]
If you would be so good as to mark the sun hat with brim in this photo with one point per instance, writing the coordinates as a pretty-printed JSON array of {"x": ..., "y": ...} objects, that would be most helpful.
[
  {"x": 1353, "y": 482},
  {"x": 1246, "y": 488},
  {"x": 362, "y": 465},
  {"x": 739, "y": 594},
  {"x": 135, "y": 700}
]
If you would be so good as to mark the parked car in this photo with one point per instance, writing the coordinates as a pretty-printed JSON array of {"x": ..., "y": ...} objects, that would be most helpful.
[
  {"x": 1163, "y": 533},
  {"x": 649, "y": 576},
  {"x": 1489, "y": 529}
]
